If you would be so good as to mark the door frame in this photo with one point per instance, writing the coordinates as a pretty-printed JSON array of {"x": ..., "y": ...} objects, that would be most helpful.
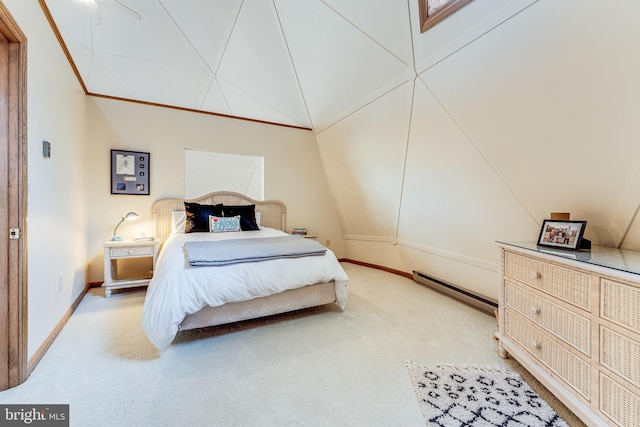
[{"x": 13, "y": 201}]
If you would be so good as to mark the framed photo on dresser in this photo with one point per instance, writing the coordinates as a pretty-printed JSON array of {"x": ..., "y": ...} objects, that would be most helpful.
[{"x": 562, "y": 234}]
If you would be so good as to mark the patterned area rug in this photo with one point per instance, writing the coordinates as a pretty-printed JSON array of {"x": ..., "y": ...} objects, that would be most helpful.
[{"x": 472, "y": 396}]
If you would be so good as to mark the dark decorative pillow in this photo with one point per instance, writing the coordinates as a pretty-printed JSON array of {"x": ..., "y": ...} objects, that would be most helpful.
[
  {"x": 197, "y": 216},
  {"x": 247, "y": 216}
]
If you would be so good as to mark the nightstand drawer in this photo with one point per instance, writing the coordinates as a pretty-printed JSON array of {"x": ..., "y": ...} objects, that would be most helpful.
[{"x": 131, "y": 251}]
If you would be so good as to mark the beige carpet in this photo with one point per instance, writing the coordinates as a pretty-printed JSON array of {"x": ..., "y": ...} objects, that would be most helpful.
[{"x": 319, "y": 367}]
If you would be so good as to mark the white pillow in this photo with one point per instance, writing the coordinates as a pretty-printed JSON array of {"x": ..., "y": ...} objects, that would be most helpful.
[
  {"x": 178, "y": 221},
  {"x": 258, "y": 218}
]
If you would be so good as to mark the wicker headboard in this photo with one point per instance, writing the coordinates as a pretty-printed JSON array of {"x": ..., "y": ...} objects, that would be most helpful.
[{"x": 272, "y": 212}]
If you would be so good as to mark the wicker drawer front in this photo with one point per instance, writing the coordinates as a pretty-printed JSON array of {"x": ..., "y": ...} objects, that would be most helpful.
[
  {"x": 569, "y": 326},
  {"x": 620, "y": 304},
  {"x": 126, "y": 252},
  {"x": 620, "y": 354},
  {"x": 618, "y": 403},
  {"x": 568, "y": 366},
  {"x": 569, "y": 285}
]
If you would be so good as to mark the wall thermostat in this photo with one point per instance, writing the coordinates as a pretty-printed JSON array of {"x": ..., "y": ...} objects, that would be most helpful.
[{"x": 46, "y": 149}]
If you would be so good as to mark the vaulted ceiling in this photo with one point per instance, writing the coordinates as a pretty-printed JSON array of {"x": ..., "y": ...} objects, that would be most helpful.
[{"x": 299, "y": 63}]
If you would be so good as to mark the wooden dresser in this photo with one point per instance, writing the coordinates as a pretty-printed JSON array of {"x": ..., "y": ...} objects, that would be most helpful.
[{"x": 573, "y": 320}]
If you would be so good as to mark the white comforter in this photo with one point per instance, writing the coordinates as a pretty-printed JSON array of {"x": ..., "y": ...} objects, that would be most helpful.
[{"x": 177, "y": 289}]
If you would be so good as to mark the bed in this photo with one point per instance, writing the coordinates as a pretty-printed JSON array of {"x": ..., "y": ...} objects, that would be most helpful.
[{"x": 181, "y": 296}]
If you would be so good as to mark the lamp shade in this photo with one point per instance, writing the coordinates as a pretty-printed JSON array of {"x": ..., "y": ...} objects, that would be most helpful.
[{"x": 128, "y": 217}]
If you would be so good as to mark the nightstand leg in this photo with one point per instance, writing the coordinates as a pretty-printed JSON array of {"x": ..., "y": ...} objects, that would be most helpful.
[{"x": 109, "y": 272}]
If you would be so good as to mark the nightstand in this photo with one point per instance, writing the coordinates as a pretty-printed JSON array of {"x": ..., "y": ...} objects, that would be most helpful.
[
  {"x": 127, "y": 249},
  {"x": 311, "y": 236}
]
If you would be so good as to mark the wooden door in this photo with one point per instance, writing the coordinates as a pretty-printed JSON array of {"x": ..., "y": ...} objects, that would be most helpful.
[{"x": 13, "y": 202}]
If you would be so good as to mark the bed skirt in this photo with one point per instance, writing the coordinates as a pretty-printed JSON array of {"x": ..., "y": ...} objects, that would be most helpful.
[{"x": 283, "y": 302}]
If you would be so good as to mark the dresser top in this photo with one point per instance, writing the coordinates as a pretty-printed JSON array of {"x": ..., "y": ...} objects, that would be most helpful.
[{"x": 617, "y": 259}]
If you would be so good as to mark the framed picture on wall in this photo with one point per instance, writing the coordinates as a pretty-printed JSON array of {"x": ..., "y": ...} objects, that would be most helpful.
[
  {"x": 434, "y": 11},
  {"x": 130, "y": 172},
  {"x": 562, "y": 234}
]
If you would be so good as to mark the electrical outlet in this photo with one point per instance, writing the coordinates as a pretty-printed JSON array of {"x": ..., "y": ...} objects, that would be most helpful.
[
  {"x": 328, "y": 243},
  {"x": 60, "y": 284}
]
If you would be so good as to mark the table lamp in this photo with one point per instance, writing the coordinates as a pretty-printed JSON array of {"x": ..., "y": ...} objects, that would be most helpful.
[{"x": 127, "y": 217}]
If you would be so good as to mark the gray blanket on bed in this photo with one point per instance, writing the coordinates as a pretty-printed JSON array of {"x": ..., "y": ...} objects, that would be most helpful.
[{"x": 225, "y": 252}]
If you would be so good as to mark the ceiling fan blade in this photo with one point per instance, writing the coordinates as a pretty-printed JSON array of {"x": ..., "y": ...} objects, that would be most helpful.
[{"x": 126, "y": 9}]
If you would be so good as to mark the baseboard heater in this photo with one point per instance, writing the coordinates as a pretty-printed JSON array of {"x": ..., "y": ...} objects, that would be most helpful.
[{"x": 462, "y": 295}]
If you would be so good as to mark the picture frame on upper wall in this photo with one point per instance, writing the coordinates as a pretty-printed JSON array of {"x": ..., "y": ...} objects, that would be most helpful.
[
  {"x": 563, "y": 234},
  {"x": 434, "y": 11},
  {"x": 130, "y": 172}
]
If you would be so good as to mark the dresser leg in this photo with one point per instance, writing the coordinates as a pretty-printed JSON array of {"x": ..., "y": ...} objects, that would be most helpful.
[{"x": 502, "y": 352}]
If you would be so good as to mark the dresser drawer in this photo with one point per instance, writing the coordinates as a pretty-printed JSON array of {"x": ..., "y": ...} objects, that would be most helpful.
[
  {"x": 620, "y": 304},
  {"x": 565, "y": 364},
  {"x": 569, "y": 285},
  {"x": 131, "y": 251},
  {"x": 618, "y": 402},
  {"x": 570, "y": 326},
  {"x": 620, "y": 354}
]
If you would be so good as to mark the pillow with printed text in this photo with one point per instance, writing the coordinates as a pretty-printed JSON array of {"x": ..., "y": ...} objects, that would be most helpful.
[{"x": 218, "y": 224}]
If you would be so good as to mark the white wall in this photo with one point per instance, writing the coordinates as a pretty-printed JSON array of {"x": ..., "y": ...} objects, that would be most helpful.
[
  {"x": 292, "y": 169},
  {"x": 517, "y": 109},
  {"x": 242, "y": 174},
  {"x": 57, "y": 192}
]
